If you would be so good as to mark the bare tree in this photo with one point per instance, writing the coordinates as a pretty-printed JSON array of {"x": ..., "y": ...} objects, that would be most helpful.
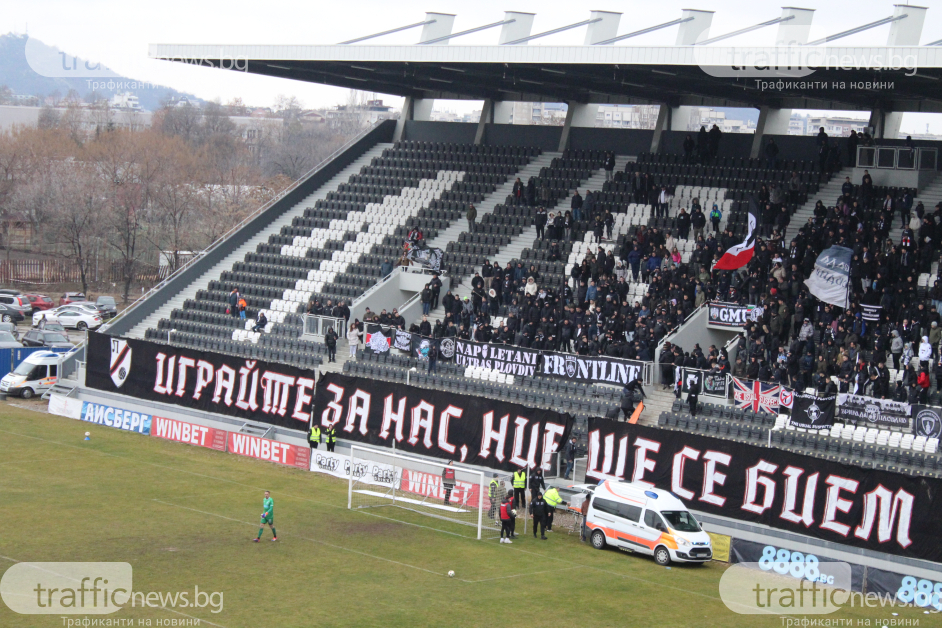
[{"x": 77, "y": 226}]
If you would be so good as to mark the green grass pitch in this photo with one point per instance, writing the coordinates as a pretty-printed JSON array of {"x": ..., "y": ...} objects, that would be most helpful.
[{"x": 183, "y": 516}]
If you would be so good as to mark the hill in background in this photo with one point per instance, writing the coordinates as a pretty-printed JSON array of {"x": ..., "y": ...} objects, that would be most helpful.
[{"x": 17, "y": 74}]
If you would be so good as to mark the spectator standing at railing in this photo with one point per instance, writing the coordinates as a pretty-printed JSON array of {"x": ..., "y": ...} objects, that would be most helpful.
[
  {"x": 330, "y": 339},
  {"x": 426, "y": 297},
  {"x": 386, "y": 269},
  {"x": 353, "y": 338}
]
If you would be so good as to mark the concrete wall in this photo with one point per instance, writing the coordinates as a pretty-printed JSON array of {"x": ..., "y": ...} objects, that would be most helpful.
[
  {"x": 544, "y": 137},
  {"x": 382, "y": 133},
  {"x": 618, "y": 141},
  {"x": 449, "y": 132},
  {"x": 731, "y": 144}
]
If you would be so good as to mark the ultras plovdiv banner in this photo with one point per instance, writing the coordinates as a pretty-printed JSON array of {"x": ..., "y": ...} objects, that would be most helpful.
[
  {"x": 471, "y": 430},
  {"x": 259, "y": 391},
  {"x": 876, "y": 510}
]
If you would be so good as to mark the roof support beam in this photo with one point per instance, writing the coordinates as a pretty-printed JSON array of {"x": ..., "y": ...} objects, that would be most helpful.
[
  {"x": 859, "y": 29},
  {"x": 553, "y": 32},
  {"x": 517, "y": 25},
  {"x": 691, "y": 30},
  {"x": 467, "y": 32},
  {"x": 743, "y": 31},
  {"x": 643, "y": 31},
  {"x": 389, "y": 32}
]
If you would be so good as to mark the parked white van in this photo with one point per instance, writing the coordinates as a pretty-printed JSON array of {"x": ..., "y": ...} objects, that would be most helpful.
[
  {"x": 648, "y": 521},
  {"x": 34, "y": 375}
]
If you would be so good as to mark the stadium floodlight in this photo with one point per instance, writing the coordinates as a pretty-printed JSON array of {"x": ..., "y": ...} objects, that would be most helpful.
[{"x": 385, "y": 477}]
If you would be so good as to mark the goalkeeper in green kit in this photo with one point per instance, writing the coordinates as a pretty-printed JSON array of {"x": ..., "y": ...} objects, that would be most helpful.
[{"x": 268, "y": 516}]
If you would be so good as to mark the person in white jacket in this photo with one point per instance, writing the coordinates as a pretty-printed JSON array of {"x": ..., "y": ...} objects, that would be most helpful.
[
  {"x": 531, "y": 288},
  {"x": 925, "y": 353},
  {"x": 353, "y": 338}
]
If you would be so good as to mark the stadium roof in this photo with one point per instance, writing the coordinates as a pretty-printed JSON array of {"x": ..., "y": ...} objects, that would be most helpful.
[{"x": 844, "y": 77}]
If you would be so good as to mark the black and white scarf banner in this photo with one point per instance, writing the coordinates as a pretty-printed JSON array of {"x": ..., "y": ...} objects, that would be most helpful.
[
  {"x": 254, "y": 390},
  {"x": 811, "y": 412},
  {"x": 871, "y": 313},
  {"x": 402, "y": 341},
  {"x": 445, "y": 425},
  {"x": 861, "y": 410},
  {"x": 872, "y": 509}
]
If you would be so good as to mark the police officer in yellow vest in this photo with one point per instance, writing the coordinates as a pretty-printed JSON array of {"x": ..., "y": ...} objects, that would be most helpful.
[
  {"x": 520, "y": 488},
  {"x": 553, "y": 500},
  {"x": 315, "y": 436},
  {"x": 331, "y": 438}
]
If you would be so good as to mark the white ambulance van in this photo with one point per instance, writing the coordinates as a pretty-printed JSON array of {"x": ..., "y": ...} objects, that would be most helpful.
[
  {"x": 34, "y": 375},
  {"x": 648, "y": 521}
]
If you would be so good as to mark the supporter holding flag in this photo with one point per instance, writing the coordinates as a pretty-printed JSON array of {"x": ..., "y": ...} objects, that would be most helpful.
[{"x": 741, "y": 254}]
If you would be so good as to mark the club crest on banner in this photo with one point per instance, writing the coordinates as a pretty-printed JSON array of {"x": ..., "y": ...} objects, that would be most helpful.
[
  {"x": 814, "y": 412},
  {"x": 446, "y": 347},
  {"x": 120, "y": 361},
  {"x": 571, "y": 365},
  {"x": 928, "y": 424}
]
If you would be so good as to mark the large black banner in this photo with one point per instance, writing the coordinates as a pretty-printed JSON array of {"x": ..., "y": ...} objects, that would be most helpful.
[
  {"x": 472, "y": 430},
  {"x": 799, "y": 564},
  {"x": 504, "y": 358},
  {"x": 277, "y": 394},
  {"x": 884, "y": 413},
  {"x": 811, "y": 412},
  {"x": 906, "y": 588},
  {"x": 877, "y": 510},
  {"x": 927, "y": 421},
  {"x": 731, "y": 314}
]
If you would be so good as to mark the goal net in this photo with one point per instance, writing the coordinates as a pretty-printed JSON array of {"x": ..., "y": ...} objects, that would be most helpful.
[{"x": 383, "y": 477}]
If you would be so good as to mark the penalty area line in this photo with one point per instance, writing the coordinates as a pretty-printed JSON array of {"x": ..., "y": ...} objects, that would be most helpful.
[{"x": 304, "y": 538}]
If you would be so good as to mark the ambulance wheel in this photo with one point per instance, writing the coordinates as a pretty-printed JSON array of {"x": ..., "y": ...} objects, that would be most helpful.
[
  {"x": 598, "y": 539},
  {"x": 27, "y": 393},
  {"x": 662, "y": 556}
]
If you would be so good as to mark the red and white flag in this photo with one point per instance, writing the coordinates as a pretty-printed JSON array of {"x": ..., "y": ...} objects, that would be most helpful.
[{"x": 739, "y": 255}]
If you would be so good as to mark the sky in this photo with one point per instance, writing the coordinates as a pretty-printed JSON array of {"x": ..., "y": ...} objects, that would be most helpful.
[{"x": 118, "y": 33}]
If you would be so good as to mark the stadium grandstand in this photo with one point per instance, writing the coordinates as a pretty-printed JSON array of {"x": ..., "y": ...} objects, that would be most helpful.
[{"x": 602, "y": 243}]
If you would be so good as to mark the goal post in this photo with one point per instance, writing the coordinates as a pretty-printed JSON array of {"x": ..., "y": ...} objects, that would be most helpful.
[{"x": 386, "y": 478}]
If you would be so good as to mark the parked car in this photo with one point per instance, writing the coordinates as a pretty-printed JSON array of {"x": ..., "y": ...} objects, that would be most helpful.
[
  {"x": 52, "y": 327},
  {"x": 108, "y": 307},
  {"x": 10, "y": 291},
  {"x": 70, "y": 317},
  {"x": 44, "y": 338},
  {"x": 17, "y": 302},
  {"x": 70, "y": 297},
  {"x": 9, "y": 341},
  {"x": 36, "y": 374},
  {"x": 11, "y": 329},
  {"x": 40, "y": 302},
  {"x": 9, "y": 315}
]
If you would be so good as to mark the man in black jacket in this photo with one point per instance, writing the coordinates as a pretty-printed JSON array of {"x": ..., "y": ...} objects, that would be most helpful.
[
  {"x": 538, "y": 510},
  {"x": 539, "y": 220},
  {"x": 609, "y": 166},
  {"x": 537, "y": 485}
]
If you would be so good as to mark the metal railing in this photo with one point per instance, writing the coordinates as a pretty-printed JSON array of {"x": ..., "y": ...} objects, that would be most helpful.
[
  {"x": 317, "y": 325},
  {"x": 229, "y": 234},
  {"x": 897, "y": 157}
]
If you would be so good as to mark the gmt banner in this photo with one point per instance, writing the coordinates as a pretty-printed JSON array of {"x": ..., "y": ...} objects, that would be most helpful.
[
  {"x": 876, "y": 510},
  {"x": 265, "y": 392},
  {"x": 467, "y": 429},
  {"x": 731, "y": 314}
]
